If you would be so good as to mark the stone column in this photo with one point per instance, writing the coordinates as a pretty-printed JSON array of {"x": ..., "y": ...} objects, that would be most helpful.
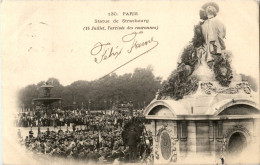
[
  {"x": 191, "y": 138},
  {"x": 256, "y": 135},
  {"x": 212, "y": 139},
  {"x": 175, "y": 128},
  {"x": 153, "y": 129}
]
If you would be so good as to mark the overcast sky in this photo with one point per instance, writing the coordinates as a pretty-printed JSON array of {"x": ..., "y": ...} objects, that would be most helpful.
[{"x": 45, "y": 39}]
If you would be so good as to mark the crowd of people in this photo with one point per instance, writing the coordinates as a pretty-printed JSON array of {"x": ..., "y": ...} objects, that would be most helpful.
[
  {"x": 53, "y": 117},
  {"x": 100, "y": 138}
]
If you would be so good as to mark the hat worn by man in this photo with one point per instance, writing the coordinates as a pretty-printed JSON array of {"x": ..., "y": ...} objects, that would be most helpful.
[{"x": 211, "y": 4}]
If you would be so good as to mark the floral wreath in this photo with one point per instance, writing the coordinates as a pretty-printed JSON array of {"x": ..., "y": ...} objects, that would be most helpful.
[{"x": 181, "y": 82}]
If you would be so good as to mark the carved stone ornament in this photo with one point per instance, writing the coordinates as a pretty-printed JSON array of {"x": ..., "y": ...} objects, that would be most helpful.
[
  {"x": 230, "y": 131},
  {"x": 208, "y": 88},
  {"x": 165, "y": 144}
]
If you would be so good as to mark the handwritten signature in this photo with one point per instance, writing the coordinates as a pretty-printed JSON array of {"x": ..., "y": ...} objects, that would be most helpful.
[{"x": 105, "y": 51}]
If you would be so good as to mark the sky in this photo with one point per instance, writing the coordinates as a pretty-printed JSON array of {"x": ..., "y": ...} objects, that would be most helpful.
[{"x": 46, "y": 39}]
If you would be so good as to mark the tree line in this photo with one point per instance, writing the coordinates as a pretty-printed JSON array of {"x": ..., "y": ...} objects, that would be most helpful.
[{"x": 139, "y": 87}]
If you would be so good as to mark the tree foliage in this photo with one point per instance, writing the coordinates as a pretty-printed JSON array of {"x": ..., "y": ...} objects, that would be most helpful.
[{"x": 139, "y": 87}]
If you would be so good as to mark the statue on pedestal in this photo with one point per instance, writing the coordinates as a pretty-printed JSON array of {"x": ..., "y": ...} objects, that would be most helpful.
[
  {"x": 205, "y": 58},
  {"x": 211, "y": 48},
  {"x": 213, "y": 32}
]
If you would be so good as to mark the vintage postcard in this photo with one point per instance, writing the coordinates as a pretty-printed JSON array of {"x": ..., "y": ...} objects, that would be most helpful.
[{"x": 118, "y": 82}]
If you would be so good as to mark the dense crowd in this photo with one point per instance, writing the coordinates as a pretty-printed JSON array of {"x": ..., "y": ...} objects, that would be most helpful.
[
  {"x": 54, "y": 117},
  {"x": 99, "y": 139},
  {"x": 58, "y": 117}
]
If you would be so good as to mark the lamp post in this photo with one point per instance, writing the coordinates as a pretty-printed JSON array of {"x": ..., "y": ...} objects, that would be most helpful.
[
  {"x": 117, "y": 104},
  {"x": 105, "y": 102},
  {"x": 111, "y": 106},
  {"x": 74, "y": 103},
  {"x": 89, "y": 103},
  {"x": 22, "y": 107},
  {"x": 74, "y": 106},
  {"x": 32, "y": 105},
  {"x": 130, "y": 106},
  {"x": 60, "y": 104}
]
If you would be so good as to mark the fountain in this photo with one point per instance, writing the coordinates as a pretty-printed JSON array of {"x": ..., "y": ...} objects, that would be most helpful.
[{"x": 46, "y": 100}]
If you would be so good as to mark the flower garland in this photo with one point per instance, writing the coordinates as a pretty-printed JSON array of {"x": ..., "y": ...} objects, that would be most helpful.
[
  {"x": 181, "y": 82},
  {"x": 223, "y": 71},
  {"x": 178, "y": 85}
]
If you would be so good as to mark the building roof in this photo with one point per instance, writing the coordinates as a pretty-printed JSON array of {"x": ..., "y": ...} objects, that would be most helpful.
[{"x": 202, "y": 104}]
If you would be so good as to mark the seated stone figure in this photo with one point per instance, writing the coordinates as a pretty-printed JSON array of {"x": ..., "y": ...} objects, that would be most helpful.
[{"x": 213, "y": 31}]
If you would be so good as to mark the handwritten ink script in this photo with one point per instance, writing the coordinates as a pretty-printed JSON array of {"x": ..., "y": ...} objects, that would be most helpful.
[{"x": 130, "y": 44}]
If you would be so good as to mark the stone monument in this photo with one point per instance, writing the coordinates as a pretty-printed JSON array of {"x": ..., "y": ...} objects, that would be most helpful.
[{"x": 204, "y": 109}]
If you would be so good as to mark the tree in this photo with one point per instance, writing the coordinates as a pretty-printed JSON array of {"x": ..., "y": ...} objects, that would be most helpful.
[
  {"x": 138, "y": 87},
  {"x": 26, "y": 95}
]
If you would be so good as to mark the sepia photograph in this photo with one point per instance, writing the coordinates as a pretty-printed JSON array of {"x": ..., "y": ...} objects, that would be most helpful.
[{"x": 130, "y": 82}]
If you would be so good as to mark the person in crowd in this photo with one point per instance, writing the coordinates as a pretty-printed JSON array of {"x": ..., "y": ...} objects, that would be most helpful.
[
  {"x": 31, "y": 133},
  {"x": 100, "y": 140},
  {"x": 132, "y": 143},
  {"x": 48, "y": 132}
]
